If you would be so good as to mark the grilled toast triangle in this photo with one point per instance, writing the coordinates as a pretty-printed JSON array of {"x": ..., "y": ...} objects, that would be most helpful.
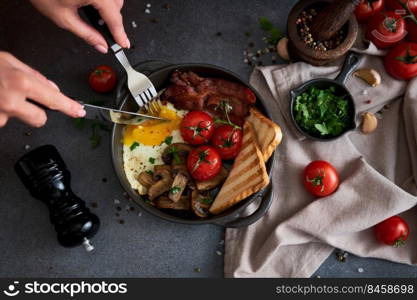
[
  {"x": 268, "y": 134},
  {"x": 247, "y": 176}
]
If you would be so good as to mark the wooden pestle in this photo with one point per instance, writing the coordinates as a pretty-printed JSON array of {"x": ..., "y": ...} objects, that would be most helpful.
[{"x": 332, "y": 18}]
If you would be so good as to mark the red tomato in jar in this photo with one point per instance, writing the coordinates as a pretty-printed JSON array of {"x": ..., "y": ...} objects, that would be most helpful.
[
  {"x": 227, "y": 140},
  {"x": 321, "y": 178},
  {"x": 393, "y": 231},
  {"x": 102, "y": 79},
  {"x": 204, "y": 163},
  {"x": 197, "y": 127},
  {"x": 368, "y": 8},
  {"x": 401, "y": 4},
  {"x": 401, "y": 61},
  {"x": 386, "y": 29}
]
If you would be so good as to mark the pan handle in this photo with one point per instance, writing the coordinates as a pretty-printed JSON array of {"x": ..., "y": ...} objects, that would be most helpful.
[
  {"x": 351, "y": 62},
  {"x": 267, "y": 197}
]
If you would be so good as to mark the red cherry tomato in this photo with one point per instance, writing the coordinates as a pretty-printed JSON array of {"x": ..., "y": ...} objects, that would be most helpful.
[
  {"x": 386, "y": 29},
  {"x": 227, "y": 140},
  {"x": 250, "y": 96},
  {"x": 321, "y": 178},
  {"x": 401, "y": 5},
  {"x": 393, "y": 231},
  {"x": 197, "y": 127},
  {"x": 102, "y": 79},
  {"x": 368, "y": 8},
  {"x": 204, "y": 163},
  {"x": 401, "y": 61},
  {"x": 411, "y": 25}
]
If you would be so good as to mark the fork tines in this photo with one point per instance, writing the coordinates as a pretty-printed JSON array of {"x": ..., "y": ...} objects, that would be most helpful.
[{"x": 146, "y": 96}]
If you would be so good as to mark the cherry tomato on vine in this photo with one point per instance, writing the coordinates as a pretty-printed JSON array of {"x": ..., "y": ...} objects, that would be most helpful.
[
  {"x": 386, "y": 29},
  {"x": 321, "y": 178},
  {"x": 393, "y": 231},
  {"x": 204, "y": 163},
  {"x": 197, "y": 127},
  {"x": 401, "y": 61},
  {"x": 227, "y": 140},
  {"x": 102, "y": 79},
  {"x": 401, "y": 5},
  {"x": 368, "y": 8}
]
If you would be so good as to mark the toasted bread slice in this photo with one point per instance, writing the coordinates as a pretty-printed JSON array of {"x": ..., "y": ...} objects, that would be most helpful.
[
  {"x": 269, "y": 134},
  {"x": 248, "y": 174}
]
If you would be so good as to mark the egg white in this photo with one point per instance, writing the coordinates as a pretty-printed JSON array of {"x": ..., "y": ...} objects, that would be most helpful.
[{"x": 137, "y": 160}]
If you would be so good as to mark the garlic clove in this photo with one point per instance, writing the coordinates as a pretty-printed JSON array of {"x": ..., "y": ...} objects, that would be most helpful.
[
  {"x": 369, "y": 123},
  {"x": 371, "y": 76},
  {"x": 282, "y": 48}
]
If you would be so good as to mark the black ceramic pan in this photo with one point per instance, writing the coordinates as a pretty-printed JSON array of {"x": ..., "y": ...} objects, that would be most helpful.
[
  {"x": 160, "y": 73},
  {"x": 351, "y": 62}
]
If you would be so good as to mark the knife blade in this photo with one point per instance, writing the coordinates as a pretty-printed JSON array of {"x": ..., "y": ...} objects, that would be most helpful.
[{"x": 118, "y": 116}]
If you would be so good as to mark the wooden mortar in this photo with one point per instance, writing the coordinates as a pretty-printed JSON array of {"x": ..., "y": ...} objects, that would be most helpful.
[{"x": 299, "y": 50}]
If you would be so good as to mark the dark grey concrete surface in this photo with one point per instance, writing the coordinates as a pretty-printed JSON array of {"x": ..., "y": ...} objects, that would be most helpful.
[{"x": 143, "y": 246}]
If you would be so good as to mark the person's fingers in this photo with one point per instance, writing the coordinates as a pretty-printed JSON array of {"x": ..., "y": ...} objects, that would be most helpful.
[
  {"x": 30, "y": 114},
  {"x": 24, "y": 67},
  {"x": 76, "y": 25},
  {"x": 53, "y": 99},
  {"x": 110, "y": 12},
  {"x": 3, "y": 119}
]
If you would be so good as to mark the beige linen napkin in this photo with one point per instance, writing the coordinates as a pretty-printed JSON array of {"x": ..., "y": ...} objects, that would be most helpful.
[{"x": 378, "y": 180}]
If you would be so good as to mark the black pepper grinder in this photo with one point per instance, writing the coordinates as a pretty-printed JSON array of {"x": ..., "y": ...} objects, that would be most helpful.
[{"x": 45, "y": 175}]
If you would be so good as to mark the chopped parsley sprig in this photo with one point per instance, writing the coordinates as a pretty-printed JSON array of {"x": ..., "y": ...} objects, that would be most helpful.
[{"x": 321, "y": 112}]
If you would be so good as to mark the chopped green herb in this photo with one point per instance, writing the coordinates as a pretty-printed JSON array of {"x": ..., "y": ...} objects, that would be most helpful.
[
  {"x": 79, "y": 123},
  {"x": 95, "y": 137},
  {"x": 174, "y": 151},
  {"x": 174, "y": 190},
  {"x": 320, "y": 112},
  {"x": 274, "y": 33},
  {"x": 206, "y": 200},
  {"x": 168, "y": 140},
  {"x": 133, "y": 146},
  {"x": 150, "y": 172},
  {"x": 96, "y": 127},
  {"x": 151, "y": 160}
]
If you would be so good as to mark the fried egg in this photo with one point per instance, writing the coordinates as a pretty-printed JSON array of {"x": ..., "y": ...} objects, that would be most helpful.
[{"x": 144, "y": 144}]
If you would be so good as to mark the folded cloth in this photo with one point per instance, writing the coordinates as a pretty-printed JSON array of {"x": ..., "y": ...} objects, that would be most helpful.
[{"x": 378, "y": 179}]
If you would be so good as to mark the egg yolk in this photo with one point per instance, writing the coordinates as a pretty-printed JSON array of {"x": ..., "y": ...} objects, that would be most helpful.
[{"x": 153, "y": 132}]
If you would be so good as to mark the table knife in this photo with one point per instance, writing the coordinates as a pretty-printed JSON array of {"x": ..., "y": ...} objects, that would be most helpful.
[{"x": 95, "y": 112}]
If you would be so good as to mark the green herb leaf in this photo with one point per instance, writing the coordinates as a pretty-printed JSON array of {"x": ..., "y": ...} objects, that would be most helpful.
[
  {"x": 133, "y": 146},
  {"x": 174, "y": 151},
  {"x": 174, "y": 190},
  {"x": 150, "y": 172},
  {"x": 274, "y": 33},
  {"x": 95, "y": 137},
  {"x": 265, "y": 24},
  {"x": 206, "y": 200},
  {"x": 168, "y": 140},
  {"x": 151, "y": 160},
  {"x": 79, "y": 123},
  {"x": 322, "y": 112}
]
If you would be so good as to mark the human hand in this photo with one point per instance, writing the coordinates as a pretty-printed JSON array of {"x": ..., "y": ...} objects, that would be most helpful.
[
  {"x": 65, "y": 14},
  {"x": 18, "y": 83}
]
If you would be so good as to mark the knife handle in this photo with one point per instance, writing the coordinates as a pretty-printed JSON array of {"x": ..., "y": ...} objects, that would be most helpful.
[{"x": 93, "y": 17}]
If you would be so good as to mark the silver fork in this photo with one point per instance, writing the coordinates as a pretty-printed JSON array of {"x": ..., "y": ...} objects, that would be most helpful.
[
  {"x": 139, "y": 84},
  {"x": 141, "y": 88}
]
